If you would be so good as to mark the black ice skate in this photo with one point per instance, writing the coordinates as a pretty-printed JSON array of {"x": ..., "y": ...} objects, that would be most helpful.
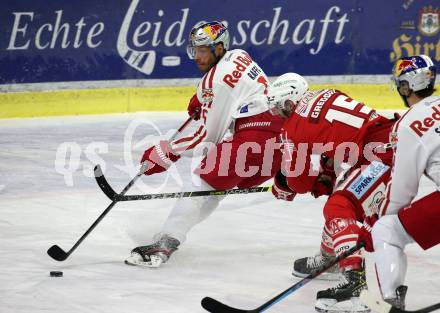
[
  {"x": 305, "y": 266},
  {"x": 155, "y": 254},
  {"x": 344, "y": 298}
]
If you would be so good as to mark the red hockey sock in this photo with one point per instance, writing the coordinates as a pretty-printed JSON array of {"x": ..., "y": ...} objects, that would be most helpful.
[
  {"x": 327, "y": 243},
  {"x": 344, "y": 233}
]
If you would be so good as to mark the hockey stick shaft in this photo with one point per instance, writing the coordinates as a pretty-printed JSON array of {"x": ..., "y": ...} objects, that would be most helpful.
[
  {"x": 59, "y": 254},
  {"x": 113, "y": 195},
  {"x": 224, "y": 192},
  {"x": 215, "y": 306},
  {"x": 181, "y": 128}
]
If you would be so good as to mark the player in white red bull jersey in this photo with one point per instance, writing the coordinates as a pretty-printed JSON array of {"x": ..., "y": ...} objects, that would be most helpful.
[
  {"x": 223, "y": 102},
  {"x": 330, "y": 129},
  {"x": 416, "y": 141}
]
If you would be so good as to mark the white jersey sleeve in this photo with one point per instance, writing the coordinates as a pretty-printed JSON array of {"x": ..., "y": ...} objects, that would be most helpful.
[
  {"x": 408, "y": 166},
  {"x": 416, "y": 137},
  {"x": 223, "y": 91}
]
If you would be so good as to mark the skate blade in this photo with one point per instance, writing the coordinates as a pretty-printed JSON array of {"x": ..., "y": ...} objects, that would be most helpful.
[
  {"x": 349, "y": 306},
  {"x": 136, "y": 260},
  {"x": 374, "y": 304}
]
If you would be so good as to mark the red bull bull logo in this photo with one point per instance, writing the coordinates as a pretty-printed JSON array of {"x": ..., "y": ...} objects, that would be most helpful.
[
  {"x": 207, "y": 95},
  {"x": 214, "y": 30},
  {"x": 393, "y": 139},
  {"x": 403, "y": 65}
]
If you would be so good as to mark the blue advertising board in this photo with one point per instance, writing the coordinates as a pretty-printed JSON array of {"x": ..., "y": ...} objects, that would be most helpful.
[{"x": 63, "y": 41}]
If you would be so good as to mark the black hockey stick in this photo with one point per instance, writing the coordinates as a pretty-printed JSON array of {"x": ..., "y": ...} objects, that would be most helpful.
[
  {"x": 114, "y": 196},
  {"x": 56, "y": 253},
  {"x": 378, "y": 305},
  {"x": 214, "y": 306}
]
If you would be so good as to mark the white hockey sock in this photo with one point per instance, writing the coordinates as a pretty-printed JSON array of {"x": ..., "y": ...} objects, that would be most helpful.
[
  {"x": 187, "y": 212},
  {"x": 390, "y": 239}
]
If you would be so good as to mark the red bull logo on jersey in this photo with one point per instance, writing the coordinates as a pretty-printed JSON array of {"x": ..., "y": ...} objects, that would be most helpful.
[
  {"x": 420, "y": 127},
  {"x": 241, "y": 62},
  {"x": 393, "y": 139},
  {"x": 207, "y": 95}
]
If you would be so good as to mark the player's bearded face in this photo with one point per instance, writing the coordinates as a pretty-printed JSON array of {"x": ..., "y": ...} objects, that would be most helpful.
[
  {"x": 405, "y": 92},
  {"x": 404, "y": 89},
  {"x": 205, "y": 59}
]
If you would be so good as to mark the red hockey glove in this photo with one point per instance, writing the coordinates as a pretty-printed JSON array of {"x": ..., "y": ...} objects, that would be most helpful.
[
  {"x": 365, "y": 232},
  {"x": 280, "y": 189},
  {"x": 159, "y": 158},
  {"x": 194, "y": 107},
  {"x": 323, "y": 186},
  {"x": 326, "y": 179}
]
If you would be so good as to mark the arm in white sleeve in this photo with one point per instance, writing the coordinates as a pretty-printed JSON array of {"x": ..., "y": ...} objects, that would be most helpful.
[
  {"x": 216, "y": 117},
  {"x": 409, "y": 163}
]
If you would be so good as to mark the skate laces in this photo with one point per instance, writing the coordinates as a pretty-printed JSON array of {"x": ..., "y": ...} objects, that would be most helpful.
[
  {"x": 318, "y": 260},
  {"x": 348, "y": 278},
  {"x": 315, "y": 261},
  {"x": 344, "y": 281}
]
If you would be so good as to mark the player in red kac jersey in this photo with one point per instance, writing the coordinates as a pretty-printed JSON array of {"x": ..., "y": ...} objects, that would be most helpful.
[{"x": 332, "y": 145}]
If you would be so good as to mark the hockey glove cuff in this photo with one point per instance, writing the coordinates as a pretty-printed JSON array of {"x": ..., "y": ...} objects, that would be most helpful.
[
  {"x": 159, "y": 158},
  {"x": 280, "y": 189}
]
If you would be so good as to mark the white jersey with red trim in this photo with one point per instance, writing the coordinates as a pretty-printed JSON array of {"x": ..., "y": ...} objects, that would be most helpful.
[
  {"x": 226, "y": 92},
  {"x": 416, "y": 140}
]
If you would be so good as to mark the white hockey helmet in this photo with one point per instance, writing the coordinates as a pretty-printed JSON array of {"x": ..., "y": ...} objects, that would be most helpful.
[
  {"x": 288, "y": 87},
  {"x": 418, "y": 71},
  {"x": 207, "y": 34}
]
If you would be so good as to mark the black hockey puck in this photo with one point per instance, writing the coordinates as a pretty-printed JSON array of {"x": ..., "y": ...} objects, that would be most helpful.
[{"x": 56, "y": 274}]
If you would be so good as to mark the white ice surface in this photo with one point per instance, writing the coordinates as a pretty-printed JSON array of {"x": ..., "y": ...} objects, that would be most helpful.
[{"x": 241, "y": 255}]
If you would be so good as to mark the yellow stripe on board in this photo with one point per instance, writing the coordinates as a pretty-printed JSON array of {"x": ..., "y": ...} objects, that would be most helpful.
[
  {"x": 94, "y": 101},
  {"x": 117, "y": 100}
]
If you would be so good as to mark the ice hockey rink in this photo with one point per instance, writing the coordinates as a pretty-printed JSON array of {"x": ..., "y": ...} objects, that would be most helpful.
[{"x": 242, "y": 255}]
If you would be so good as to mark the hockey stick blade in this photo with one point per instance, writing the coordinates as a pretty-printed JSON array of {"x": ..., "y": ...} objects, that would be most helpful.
[
  {"x": 214, "y": 306},
  {"x": 56, "y": 253},
  {"x": 380, "y": 306},
  {"x": 103, "y": 183}
]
